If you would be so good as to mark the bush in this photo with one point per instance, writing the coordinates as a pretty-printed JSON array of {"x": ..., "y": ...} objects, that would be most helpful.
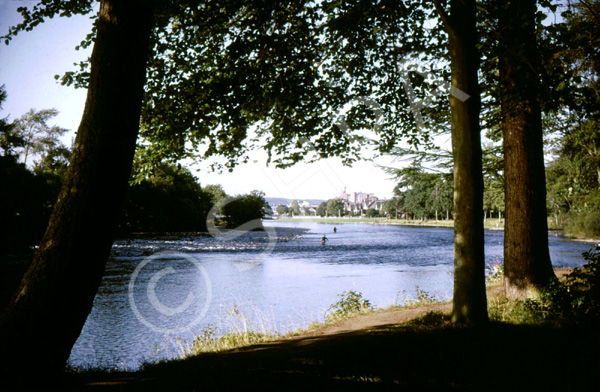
[
  {"x": 243, "y": 209},
  {"x": 583, "y": 224},
  {"x": 169, "y": 200},
  {"x": 577, "y": 299},
  {"x": 372, "y": 213},
  {"x": 26, "y": 201},
  {"x": 350, "y": 304},
  {"x": 591, "y": 225}
]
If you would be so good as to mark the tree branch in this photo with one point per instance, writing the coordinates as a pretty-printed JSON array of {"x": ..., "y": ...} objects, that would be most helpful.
[{"x": 439, "y": 8}]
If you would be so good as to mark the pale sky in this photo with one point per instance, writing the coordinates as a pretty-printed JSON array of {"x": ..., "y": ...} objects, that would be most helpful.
[{"x": 27, "y": 69}]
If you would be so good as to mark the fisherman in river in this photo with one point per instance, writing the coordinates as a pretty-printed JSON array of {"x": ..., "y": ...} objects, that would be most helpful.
[
  {"x": 324, "y": 239},
  {"x": 335, "y": 230}
]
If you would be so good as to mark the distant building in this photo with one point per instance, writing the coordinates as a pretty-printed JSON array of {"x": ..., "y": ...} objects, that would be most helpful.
[
  {"x": 306, "y": 208},
  {"x": 358, "y": 202}
]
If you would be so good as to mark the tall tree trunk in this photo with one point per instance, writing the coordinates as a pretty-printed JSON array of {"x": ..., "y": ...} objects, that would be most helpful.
[
  {"x": 469, "y": 301},
  {"x": 527, "y": 265},
  {"x": 56, "y": 294}
]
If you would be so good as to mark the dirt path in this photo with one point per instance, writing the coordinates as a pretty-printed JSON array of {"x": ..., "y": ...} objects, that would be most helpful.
[
  {"x": 376, "y": 319},
  {"x": 398, "y": 316}
]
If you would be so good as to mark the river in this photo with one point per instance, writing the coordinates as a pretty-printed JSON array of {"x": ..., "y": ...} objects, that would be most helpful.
[{"x": 160, "y": 291}]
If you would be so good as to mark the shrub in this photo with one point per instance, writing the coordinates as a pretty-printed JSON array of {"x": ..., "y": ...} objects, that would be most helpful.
[
  {"x": 431, "y": 320},
  {"x": 423, "y": 297},
  {"x": 583, "y": 224},
  {"x": 372, "y": 213},
  {"x": 591, "y": 225},
  {"x": 577, "y": 299},
  {"x": 350, "y": 304}
]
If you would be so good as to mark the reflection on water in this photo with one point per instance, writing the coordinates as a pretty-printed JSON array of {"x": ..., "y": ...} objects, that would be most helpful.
[{"x": 159, "y": 290}]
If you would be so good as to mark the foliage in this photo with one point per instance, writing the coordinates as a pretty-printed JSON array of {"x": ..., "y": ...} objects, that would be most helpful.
[
  {"x": 430, "y": 321},
  {"x": 577, "y": 299},
  {"x": 573, "y": 176},
  {"x": 350, "y": 304},
  {"x": 583, "y": 224},
  {"x": 262, "y": 55},
  {"x": 9, "y": 138},
  {"x": 424, "y": 195},
  {"x": 335, "y": 207},
  {"x": 209, "y": 341},
  {"x": 372, "y": 213},
  {"x": 392, "y": 207},
  {"x": 216, "y": 192},
  {"x": 244, "y": 208},
  {"x": 40, "y": 139},
  {"x": 237, "y": 331},
  {"x": 422, "y": 297},
  {"x": 267, "y": 209},
  {"x": 322, "y": 209},
  {"x": 493, "y": 195},
  {"x": 282, "y": 210},
  {"x": 294, "y": 207},
  {"x": 28, "y": 196},
  {"x": 168, "y": 200},
  {"x": 25, "y": 208},
  {"x": 503, "y": 310},
  {"x": 495, "y": 274}
]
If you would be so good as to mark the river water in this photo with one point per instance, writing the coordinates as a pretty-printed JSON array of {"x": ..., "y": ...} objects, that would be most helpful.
[{"x": 160, "y": 291}]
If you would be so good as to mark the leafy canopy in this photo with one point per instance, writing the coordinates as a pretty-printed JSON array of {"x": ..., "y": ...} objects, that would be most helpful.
[{"x": 225, "y": 77}]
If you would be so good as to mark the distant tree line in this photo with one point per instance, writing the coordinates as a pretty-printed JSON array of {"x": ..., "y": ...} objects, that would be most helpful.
[
  {"x": 167, "y": 198},
  {"x": 29, "y": 192}
]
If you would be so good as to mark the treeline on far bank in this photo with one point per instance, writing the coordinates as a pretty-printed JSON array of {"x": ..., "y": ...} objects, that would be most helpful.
[
  {"x": 162, "y": 197},
  {"x": 170, "y": 199}
]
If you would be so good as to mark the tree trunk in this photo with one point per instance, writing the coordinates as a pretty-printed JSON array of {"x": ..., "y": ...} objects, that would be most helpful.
[
  {"x": 469, "y": 301},
  {"x": 527, "y": 265},
  {"x": 46, "y": 316}
]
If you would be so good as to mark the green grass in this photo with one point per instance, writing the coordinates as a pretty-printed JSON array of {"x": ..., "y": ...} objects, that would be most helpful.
[
  {"x": 428, "y": 352},
  {"x": 238, "y": 331},
  {"x": 489, "y": 223}
]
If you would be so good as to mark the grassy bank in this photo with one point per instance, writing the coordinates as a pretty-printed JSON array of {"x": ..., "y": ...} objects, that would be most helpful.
[
  {"x": 489, "y": 223},
  {"x": 521, "y": 349}
]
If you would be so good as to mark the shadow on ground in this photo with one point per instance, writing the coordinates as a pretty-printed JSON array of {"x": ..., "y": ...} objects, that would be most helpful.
[{"x": 407, "y": 357}]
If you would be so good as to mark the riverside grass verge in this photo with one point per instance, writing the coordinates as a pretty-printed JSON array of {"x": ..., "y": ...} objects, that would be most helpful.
[
  {"x": 426, "y": 352},
  {"x": 240, "y": 331},
  {"x": 352, "y": 304},
  {"x": 489, "y": 224}
]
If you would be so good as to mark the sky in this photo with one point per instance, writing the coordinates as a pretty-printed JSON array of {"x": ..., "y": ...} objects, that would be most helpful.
[{"x": 27, "y": 68}]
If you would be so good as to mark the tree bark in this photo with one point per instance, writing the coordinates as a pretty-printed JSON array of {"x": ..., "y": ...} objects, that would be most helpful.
[
  {"x": 46, "y": 316},
  {"x": 469, "y": 301},
  {"x": 527, "y": 265}
]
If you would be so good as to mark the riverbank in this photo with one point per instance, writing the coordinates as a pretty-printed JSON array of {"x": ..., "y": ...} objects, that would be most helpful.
[
  {"x": 413, "y": 347},
  {"x": 490, "y": 224}
]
